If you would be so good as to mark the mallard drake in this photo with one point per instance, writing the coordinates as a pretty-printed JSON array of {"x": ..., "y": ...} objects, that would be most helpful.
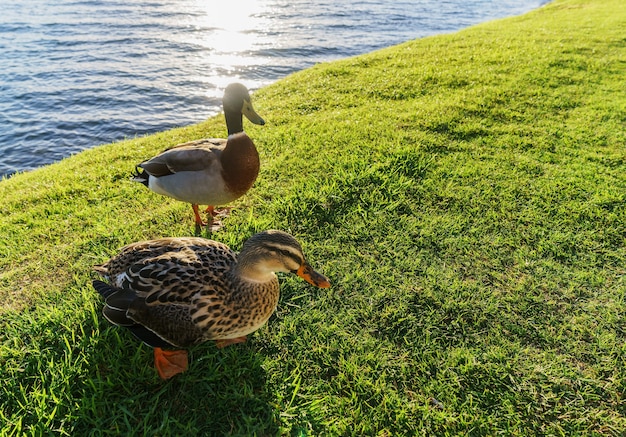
[
  {"x": 210, "y": 171},
  {"x": 173, "y": 293}
]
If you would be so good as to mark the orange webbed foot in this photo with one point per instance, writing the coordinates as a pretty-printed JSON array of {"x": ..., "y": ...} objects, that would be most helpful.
[
  {"x": 213, "y": 224},
  {"x": 170, "y": 362},
  {"x": 218, "y": 212}
]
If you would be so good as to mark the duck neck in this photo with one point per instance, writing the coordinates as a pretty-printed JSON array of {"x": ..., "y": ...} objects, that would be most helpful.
[
  {"x": 248, "y": 271},
  {"x": 256, "y": 289},
  {"x": 234, "y": 121}
]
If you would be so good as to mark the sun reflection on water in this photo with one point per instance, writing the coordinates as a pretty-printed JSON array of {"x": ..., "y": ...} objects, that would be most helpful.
[
  {"x": 228, "y": 34},
  {"x": 147, "y": 66}
]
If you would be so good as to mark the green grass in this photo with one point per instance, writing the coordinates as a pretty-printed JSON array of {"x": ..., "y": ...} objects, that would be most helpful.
[{"x": 465, "y": 193}]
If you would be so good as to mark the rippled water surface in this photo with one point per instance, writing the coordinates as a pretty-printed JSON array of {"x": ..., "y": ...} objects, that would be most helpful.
[{"x": 75, "y": 74}]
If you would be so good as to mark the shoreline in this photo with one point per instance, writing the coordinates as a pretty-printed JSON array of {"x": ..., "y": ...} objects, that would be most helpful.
[{"x": 126, "y": 107}]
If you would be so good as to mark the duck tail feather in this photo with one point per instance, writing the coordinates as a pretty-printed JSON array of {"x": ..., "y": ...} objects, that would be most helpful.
[
  {"x": 103, "y": 288},
  {"x": 140, "y": 176},
  {"x": 117, "y": 317}
]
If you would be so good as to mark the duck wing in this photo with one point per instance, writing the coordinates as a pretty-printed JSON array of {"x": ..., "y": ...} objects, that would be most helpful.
[
  {"x": 165, "y": 326},
  {"x": 137, "y": 263},
  {"x": 192, "y": 156},
  {"x": 157, "y": 295},
  {"x": 117, "y": 302}
]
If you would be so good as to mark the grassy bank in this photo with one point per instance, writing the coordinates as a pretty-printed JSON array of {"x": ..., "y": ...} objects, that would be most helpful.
[{"x": 464, "y": 193}]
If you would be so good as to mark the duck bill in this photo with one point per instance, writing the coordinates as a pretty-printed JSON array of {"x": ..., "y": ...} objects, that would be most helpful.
[
  {"x": 251, "y": 114},
  {"x": 307, "y": 273}
]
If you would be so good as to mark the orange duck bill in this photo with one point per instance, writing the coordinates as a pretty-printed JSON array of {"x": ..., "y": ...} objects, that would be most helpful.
[{"x": 307, "y": 273}]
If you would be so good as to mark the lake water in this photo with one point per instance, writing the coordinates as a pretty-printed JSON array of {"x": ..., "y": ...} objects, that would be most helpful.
[{"x": 75, "y": 74}]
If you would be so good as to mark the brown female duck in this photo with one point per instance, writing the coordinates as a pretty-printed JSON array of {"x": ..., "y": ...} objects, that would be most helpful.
[
  {"x": 212, "y": 171},
  {"x": 176, "y": 292}
]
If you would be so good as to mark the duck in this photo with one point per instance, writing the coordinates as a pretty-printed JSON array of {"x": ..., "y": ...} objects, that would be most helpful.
[
  {"x": 173, "y": 293},
  {"x": 209, "y": 171}
]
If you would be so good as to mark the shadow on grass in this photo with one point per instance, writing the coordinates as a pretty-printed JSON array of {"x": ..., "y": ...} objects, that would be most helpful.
[{"x": 83, "y": 377}]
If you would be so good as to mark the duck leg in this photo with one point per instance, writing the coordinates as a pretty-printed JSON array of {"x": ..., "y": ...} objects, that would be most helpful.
[
  {"x": 169, "y": 362},
  {"x": 213, "y": 224},
  {"x": 196, "y": 213},
  {"x": 214, "y": 215},
  {"x": 218, "y": 212},
  {"x": 227, "y": 342}
]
